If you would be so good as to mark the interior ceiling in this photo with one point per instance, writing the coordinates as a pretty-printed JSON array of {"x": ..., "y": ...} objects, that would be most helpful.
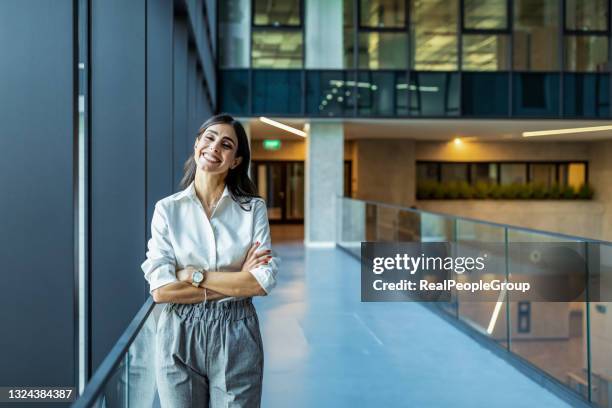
[{"x": 441, "y": 129}]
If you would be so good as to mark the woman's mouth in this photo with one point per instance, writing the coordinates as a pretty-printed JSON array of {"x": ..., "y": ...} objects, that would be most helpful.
[{"x": 209, "y": 158}]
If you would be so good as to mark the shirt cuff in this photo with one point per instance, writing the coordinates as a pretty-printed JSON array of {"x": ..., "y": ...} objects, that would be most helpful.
[
  {"x": 162, "y": 276},
  {"x": 264, "y": 277}
]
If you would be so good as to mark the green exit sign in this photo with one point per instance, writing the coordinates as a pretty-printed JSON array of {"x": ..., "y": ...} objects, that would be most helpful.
[{"x": 271, "y": 144}]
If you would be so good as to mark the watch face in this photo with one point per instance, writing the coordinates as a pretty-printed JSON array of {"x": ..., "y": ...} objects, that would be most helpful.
[{"x": 197, "y": 276}]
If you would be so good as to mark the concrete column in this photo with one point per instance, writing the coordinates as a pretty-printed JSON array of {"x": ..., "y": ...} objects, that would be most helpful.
[
  {"x": 388, "y": 160},
  {"x": 324, "y": 178},
  {"x": 323, "y": 31}
]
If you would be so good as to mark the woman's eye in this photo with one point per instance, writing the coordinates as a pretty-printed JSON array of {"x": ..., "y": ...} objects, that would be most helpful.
[{"x": 227, "y": 146}]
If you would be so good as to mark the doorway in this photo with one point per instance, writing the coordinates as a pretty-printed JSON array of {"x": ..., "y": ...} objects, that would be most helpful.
[{"x": 282, "y": 183}]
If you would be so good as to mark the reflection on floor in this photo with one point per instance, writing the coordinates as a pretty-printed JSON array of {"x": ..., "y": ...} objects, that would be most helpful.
[
  {"x": 324, "y": 348},
  {"x": 287, "y": 233}
]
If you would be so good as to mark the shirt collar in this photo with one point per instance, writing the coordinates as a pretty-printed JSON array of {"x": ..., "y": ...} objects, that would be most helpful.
[{"x": 190, "y": 192}]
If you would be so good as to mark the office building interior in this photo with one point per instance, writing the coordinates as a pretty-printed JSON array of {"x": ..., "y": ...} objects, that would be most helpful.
[{"x": 463, "y": 121}]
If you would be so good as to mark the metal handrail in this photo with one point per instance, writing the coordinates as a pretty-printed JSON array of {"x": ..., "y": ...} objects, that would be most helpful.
[
  {"x": 491, "y": 223},
  {"x": 105, "y": 371}
]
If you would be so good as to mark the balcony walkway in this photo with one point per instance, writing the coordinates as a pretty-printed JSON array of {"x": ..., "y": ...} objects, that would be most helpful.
[{"x": 324, "y": 348}]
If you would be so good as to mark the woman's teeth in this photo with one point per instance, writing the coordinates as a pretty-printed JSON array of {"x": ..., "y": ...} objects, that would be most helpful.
[{"x": 209, "y": 158}]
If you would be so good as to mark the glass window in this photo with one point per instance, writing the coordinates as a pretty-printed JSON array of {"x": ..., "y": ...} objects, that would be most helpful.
[
  {"x": 485, "y": 52},
  {"x": 536, "y": 34},
  {"x": 586, "y": 15},
  {"x": 477, "y": 88},
  {"x": 277, "y": 49},
  {"x": 454, "y": 172},
  {"x": 572, "y": 174},
  {"x": 348, "y": 34},
  {"x": 535, "y": 94},
  {"x": 379, "y": 94},
  {"x": 485, "y": 14},
  {"x": 277, "y": 13},
  {"x": 427, "y": 172},
  {"x": 586, "y": 53},
  {"x": 543, "y": 173},
  {"x": 382, "y": 50},
  {"x": 277, "y": 91},
  {"x": 484, "y": 173},
  {"x": 330, "y": 93},
  {"x": 235, "y": 91},
  {"x": 586, "y": 95},
  {"x": 434, "y": 35},
  {"x": 234, "y": 33},
  {"x": 511, "y": 173},
  {"x": 434, "y": 93},
  {"x": 383, "y": 13}
]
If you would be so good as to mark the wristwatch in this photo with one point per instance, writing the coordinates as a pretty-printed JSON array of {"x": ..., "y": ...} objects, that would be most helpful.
[{"x": 197, "y": 277}]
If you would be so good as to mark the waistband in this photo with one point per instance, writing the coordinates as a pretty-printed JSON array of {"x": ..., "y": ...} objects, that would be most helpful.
[{"x": 231, "y": 310}]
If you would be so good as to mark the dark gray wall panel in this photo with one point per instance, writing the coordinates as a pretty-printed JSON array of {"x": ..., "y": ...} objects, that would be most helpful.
[
  {"x": 192, "y": 89},
  {"x": 181, "y": 119},
  {"x": 159, "y": 103},
  {"x": 117, "y": 168},
  {"x": 37, "y": 344}
]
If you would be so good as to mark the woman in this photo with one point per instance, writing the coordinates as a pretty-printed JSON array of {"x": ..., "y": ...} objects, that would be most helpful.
[{"x": 209, "y": 253}]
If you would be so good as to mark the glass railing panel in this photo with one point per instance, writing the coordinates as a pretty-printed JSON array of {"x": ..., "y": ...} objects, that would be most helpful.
[
  {"x": 382, "y": 93},
  {"x": 477, "y": 89},
  {"x": 484, "y": 314},
  {"x": 408, "y": 226},
  {"x": 550, "y": 335},
  {"x": 434, "y": 93},
  {"x": 126, "y": 377},
  {"x": 535, "y": 94},
  {"x": 440, "y": 228},
  {"x": 330, "y": 93},
  {"x": 586, "y": 95},
  {"x": 387, "y": 223},
  {"x": 600, "y": 323},
  {"x": 133, "y": 381},
  {"x": 437, "y": 228},
  {"x": 353, "y": 225},
  {"x": 234, "y": 93},
  {"x": 277, "y": 91}
]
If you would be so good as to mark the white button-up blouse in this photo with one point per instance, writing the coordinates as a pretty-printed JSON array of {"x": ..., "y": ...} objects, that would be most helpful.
[{"x": 182, "y": 235}]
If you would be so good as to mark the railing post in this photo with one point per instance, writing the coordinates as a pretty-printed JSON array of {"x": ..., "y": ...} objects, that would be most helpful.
[{"x": 508, "y": 325}]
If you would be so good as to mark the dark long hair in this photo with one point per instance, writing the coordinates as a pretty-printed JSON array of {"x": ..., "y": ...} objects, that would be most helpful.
[{"x": 241, "y": 187}]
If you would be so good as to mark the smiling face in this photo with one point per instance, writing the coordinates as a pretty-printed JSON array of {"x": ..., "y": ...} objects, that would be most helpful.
[{"x": 215, "y": 149}]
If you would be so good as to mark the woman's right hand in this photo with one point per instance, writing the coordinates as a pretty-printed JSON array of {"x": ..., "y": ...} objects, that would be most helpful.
[{"x": 254, "y": 259}]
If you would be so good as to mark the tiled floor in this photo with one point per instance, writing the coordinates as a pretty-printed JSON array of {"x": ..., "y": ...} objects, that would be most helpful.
[{"x": 324, "y": 348}]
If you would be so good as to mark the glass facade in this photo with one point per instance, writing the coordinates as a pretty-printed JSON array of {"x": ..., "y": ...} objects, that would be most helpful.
[
  {"x": 425, "y": 58},
  {"x": 586, "y": 53},
  {"x": 485, "y": 14},
  {"x": 536, "y": 35},
  {"x": 277, "y": 49},
  {"x": 382, "y": 13},
  {"x": 383, "y": 50},
  {"x": 586, "y": 15},
  {"x": 433, "y": 35},
  {"x": 485, "y": 52},
  {"x": 277, "y": 13}
]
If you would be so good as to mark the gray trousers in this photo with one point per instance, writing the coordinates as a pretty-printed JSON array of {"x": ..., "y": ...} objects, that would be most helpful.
[{"x": 209, "y": 354}]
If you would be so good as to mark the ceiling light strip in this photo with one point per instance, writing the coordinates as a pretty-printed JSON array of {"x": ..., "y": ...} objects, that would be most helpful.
[
  {"x": 282, "y": 126},
  {"x": 567, "y": 131}
]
